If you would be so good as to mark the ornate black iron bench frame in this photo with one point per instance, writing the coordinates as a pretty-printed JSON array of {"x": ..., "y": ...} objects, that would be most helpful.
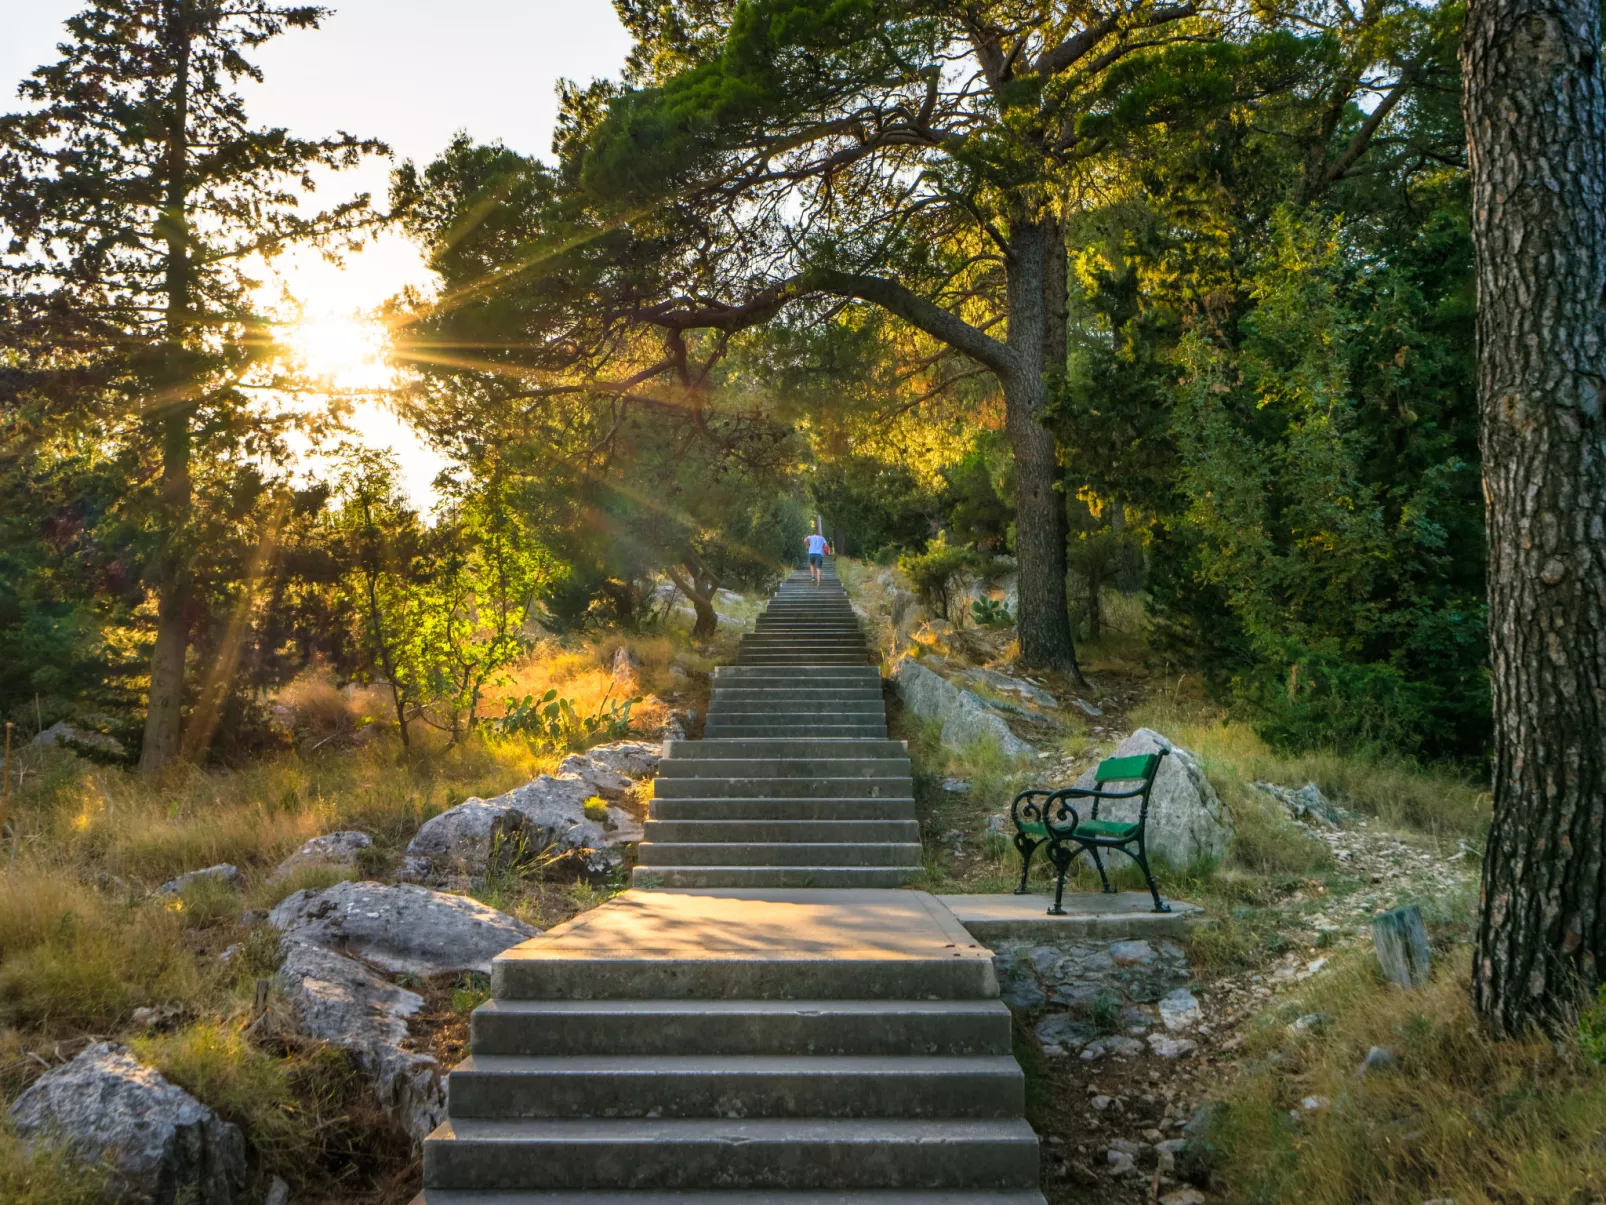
[{"x": 1054, "y": 822}]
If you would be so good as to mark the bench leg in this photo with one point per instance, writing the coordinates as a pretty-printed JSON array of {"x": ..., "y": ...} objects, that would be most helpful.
[
  {"x": 1143, "y": 860},
  {"x": 1099, "y": 862},
  {"x": 1027, "y": 848},
  {"x": 1062, "y": 859}
]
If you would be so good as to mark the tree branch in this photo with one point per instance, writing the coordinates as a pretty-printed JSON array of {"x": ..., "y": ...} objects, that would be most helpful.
[{"x": 917, "y": 311}]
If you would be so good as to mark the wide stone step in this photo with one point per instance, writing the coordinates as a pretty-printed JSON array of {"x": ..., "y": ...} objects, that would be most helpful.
[
  {"x": 784, "y": 704},
  {"x": 450, "y": 1196},
  {"x": 507, "y": 1087},
  {"x": 784, "y": 767},
  {"x": 794, "y": 693},
  {"x": 766, "y": 832},
  {"x": 894, "y": 786},
  {"x": 786, "y": 659},
  {"x": 716, "y": 728},
  {"x": 783, "y": 853},
  {"x": 686, "y": 877},
  {"x": 748, "y": 747},
  {"x": 782, "y": 809},
  {"x": 803, "y": 675},
  {"x": 740, "y": 1027},
  {"x": 767, "y": 1153}
]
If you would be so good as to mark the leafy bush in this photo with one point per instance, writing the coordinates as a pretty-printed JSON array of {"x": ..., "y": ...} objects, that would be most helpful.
[
  {"x": 556, "y": 720},
  {"x": 990, "y": 613},
  {"x": 941, "y": 572}
]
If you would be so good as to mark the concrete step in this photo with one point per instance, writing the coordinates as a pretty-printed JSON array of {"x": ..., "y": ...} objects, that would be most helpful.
[
  {"x": 506, "y": 1087},
  {"x": 784, "y": 704},
  {"x": 710, "y": 748},
  {"x": 782, "y": 809},
  {"x": 895, "y": 786},
  {"x": 690, "y": 877},
  {"x": 782, "y": 853},
  {"x": 721, "y": 729},
  {"x": 738, "y": 1027},
  {"x": 767, "y": 1153},
  {"x": 719, "y": 973},
  {"x": 797, "y": 694},
  {"x": 784, "y": 767},
  {"x": 802, "y": 675},
  {"x": 769, "y": 832},
  {"x": 450, "y": 1196}
]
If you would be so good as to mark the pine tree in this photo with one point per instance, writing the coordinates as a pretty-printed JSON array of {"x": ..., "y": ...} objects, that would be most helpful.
[{"x": 135, "y": 198}]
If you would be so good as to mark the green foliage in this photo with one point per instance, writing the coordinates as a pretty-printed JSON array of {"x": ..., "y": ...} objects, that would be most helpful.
[
  {"x": 871, "y": 507},
  {"x": 941, "y": 571},
  {"x": 1592, "y": 1029},
  {"x": 990, "y": 613},
  {"x": 556, "y": 720}
]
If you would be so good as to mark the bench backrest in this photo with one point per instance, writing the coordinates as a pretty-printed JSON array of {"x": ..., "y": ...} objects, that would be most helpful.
[{"x": 1141, "y": 767}]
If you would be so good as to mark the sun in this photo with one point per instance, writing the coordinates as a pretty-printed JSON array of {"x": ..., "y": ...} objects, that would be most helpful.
[{"x": 341, "y": 351}]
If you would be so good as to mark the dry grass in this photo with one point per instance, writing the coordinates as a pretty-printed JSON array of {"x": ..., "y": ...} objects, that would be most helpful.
[
  {"x": 1435, "y": 801},
  {"x": 1461, "y": 1117}
]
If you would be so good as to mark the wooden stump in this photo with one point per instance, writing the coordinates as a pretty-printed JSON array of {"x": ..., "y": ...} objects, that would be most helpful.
[{"x": 1402, "y": 946}]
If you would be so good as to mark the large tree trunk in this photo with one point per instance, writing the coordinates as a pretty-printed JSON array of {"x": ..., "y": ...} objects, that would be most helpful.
[
  {"x": 1040, "y": 527},
  {"x": 1536, "y": 126},
  {"x": 164, "y": 713}
]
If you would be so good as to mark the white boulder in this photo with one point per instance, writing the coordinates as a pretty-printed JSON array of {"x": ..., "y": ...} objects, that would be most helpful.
[
  {"x": 162, "y": 1145},
  {"x": 611, "y": 770},
  {"x": 964, "y": 717},
  {"x": 224, "y": 873},
  {"x": 466, "y": 841},
  {"x": 339, "y": 1000},
  {"x": 331, "y": 849},
  {"x": 1186, "y": 820},
  {"x": 402, "y": 929}
]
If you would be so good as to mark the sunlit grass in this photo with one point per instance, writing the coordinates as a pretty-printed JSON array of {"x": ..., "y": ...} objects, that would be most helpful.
[{"x": 1460, "y": 1116}]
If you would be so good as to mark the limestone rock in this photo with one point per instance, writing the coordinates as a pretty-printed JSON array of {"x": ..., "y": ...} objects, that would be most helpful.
[
  {"x": 1118, "y": 1045},
  {"x": 465, "y": 841},
  {"x": 1035, "y": 695},
  {"x": 341, "y": 1001},
  {"x": 223, "y": 873},
  {"x": 1171, "y": 1048},
  {"x": 163, "y": 1145},
  {"x": 626, "y": 668},
  {"x": 964, "y": 717},
  {"x": 1179, "y": 1010},
  {"x": 1307, "y": 803},
  {"x": 611, "y": 770},
  {"x": 1186, "y": 820},
  {"x": 331, "y": 849},
  {"x": 403, "y": 929},
  {"x": 80, "y": 739}
]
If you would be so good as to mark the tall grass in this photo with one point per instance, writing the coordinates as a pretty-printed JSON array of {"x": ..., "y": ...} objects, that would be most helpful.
[
  {"x": 1460, "y": 1116},
  {"x": 1434, "y": 800}
]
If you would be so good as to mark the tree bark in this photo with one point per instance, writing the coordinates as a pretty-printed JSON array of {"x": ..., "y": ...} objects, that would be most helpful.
[
  {"x": 164, "y": 714},
  {"x": 1536, "y": 128},
  {"x": 699, "y": 585},
  {"x": 1036, "y": 260}
]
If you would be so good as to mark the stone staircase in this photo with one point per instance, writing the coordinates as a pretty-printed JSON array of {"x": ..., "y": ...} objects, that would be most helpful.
[
  {"x": 794, "y": 783},
  {"x": 755, "y": 1040}
]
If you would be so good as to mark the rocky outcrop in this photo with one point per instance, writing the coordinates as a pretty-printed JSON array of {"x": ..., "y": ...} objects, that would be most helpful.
[
  {"x": 162, "y": 1145},
  {"x": 546, "y": 817},
  {"x": 82, "y": 740},
  {"x": 331, "y": 849},
  {"x": 403, "y": 929},
  {"x": 1034, "y": 695},
  {"x": 223, "y": 873},
  {"x": 964, "y": 717},
  {"x": 339, "y": 1000},
  {"x": 611, "y": 770},
  {"x": 467, "y": 841},
  {"x": 1186, "y": 821}
]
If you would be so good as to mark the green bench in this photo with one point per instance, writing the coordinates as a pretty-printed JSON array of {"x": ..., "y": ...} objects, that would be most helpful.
[{"x": 1050, "y": 818}]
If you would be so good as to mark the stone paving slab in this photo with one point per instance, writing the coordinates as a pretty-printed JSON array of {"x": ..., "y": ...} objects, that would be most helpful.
[{"x": 1088, "y": 914}]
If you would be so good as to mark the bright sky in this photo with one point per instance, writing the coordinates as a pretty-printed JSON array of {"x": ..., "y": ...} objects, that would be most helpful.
[{"x": 410, "y": 72}]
